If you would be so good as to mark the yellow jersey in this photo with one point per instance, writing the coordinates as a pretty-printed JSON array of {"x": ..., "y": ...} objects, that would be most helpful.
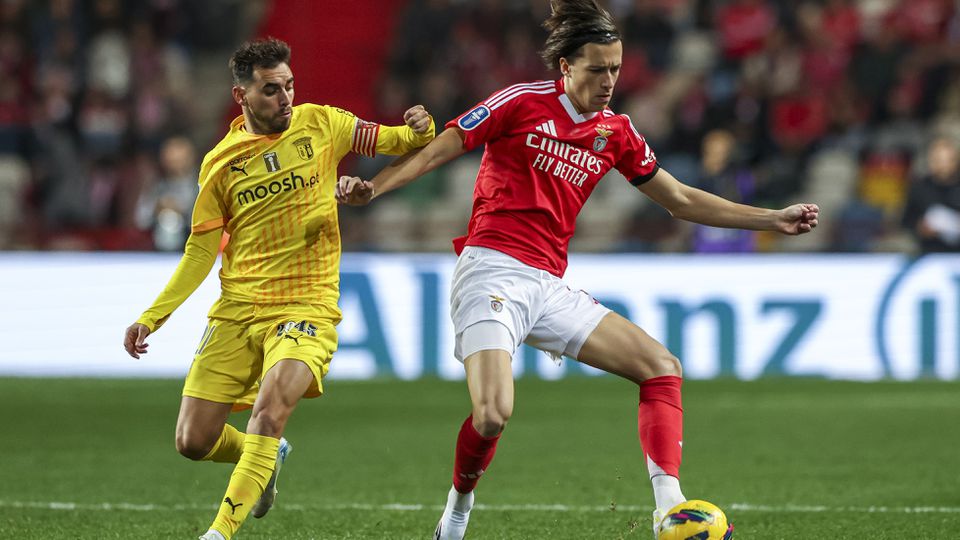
[{"x": 274, "y": 195}]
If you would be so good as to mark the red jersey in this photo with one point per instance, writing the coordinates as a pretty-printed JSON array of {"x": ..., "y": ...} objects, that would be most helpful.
[{"x": 541, "y": 162}]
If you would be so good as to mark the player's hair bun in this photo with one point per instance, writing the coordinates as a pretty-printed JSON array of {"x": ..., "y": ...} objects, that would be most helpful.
[
  {"x": 572, "y": 24},
  {"x": 562, "y": 11}
]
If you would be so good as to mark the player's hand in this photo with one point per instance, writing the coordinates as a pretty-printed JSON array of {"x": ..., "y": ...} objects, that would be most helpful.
[
  {"x": 133, "y": 340},
  {"x": 418, "y": 119},
  {"x": 354, "y": 191},
  {"x": 798, "y": 219}
]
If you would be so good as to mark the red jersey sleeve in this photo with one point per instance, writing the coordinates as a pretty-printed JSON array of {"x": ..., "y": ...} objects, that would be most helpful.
[
  {"x": 637, "y": 162},
  {"x": 487, "y": 121}
]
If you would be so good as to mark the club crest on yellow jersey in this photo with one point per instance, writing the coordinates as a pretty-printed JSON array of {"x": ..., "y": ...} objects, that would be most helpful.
[{"x": 304, "y": 148}]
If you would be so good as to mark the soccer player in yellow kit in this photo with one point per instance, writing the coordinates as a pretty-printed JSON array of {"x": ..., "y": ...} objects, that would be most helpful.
[{"x": 269, "y": 184}]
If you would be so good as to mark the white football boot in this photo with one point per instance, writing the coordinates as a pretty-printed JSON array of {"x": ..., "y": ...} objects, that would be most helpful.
[
  {"x": 265, "y": 502},
  {"x": 453, "y": 522},
  {"x": 212, "y": 535},
  {"x": 658, "y": 516}
]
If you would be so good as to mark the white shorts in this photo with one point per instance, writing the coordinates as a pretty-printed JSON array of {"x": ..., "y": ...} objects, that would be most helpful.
[{"x": 535, "y": 306}]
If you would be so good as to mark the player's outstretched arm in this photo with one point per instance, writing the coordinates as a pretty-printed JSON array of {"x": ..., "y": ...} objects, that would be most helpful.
[
  {"x": 405, "y": 169},
  {"x": 418, "y": 119},
  {"x": 692, "y": 204},
  {"x": 198, "y": 257},
  {"x": 417, "y": 131}
]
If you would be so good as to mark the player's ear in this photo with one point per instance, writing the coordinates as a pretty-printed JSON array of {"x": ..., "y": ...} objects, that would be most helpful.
[
  {"x": 564, "y": 67},
  {"x": 240, "y": 95}
]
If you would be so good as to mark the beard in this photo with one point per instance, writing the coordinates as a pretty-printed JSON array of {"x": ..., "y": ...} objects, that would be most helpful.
[{"x": 271, "y": 124}]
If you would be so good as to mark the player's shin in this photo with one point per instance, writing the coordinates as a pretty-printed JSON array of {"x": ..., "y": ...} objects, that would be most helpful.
[
  {"x": 660, "y": 426},
  {"x": 247, "y": 482},
  {"x": 228, "y": 447},
  {"x": 473, "y": 455}
]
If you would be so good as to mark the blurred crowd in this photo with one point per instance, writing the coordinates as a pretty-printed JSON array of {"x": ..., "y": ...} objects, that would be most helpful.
[
  {"x": 852, "y": 104},
  {"x": 100, "y": 116}
]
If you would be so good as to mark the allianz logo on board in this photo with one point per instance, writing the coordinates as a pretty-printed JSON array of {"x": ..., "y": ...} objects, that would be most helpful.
[
  {"x": 917, "y": 320},
  {"x": 907, "y": 324}
]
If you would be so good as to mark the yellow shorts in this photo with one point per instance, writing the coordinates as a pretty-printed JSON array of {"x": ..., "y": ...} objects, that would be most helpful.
[{"x": 242, "y": 341}]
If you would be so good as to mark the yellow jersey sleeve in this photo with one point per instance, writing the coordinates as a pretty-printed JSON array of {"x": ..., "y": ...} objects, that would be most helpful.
[
  {"x": 342, "y": 125},
  {"x": 198, "y": 257},
  {"x": 396, "y": 140},
  {"x": 210, "y": 209},
  {"x": 353, "y": 134}
]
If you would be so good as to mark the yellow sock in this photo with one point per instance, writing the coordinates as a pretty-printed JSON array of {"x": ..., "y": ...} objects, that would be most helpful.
[
  {"x": 247, "y": 482},
  {"x": 228, "y": 447}
]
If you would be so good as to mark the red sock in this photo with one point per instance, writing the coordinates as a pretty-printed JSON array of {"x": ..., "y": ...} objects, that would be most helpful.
[
  {"x": 474, "y": 454},
  {"x": 660, "y": 423}
]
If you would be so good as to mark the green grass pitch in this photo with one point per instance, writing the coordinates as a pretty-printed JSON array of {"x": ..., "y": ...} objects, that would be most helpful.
[{"x": 787, "y": 459}]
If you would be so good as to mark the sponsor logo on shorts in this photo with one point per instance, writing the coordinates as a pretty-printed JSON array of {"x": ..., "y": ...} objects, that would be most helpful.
[
  {"x": 474, "y": 118},
  {"x": 303, "y": 327}
]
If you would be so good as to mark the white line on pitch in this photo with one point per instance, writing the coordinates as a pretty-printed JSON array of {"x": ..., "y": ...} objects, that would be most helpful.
[{"x": 399, "y": 507}]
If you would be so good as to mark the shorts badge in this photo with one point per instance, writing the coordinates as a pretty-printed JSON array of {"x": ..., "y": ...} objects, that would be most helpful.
[{"x": 496, "y": 303}]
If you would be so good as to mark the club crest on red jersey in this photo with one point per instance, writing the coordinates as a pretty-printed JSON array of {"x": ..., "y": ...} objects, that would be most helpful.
[{"x": 600, "y": 142}]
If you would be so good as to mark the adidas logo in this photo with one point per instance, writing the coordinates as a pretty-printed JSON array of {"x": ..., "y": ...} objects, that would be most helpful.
[
  {"x": 471, "y": 476},
  {"x": 548, "y": 127}
]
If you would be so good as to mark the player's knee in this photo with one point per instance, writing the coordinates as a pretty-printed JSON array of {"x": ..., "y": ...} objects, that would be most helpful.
[
  {"x": 268, "y": 421},
  {"x": 659, "y": 364},
  {"x": 665, "y": 364},
  {"x": 490, "y": 419},
  {"x": 490, "y": 425},
  {"x": 193, "y": 446}
]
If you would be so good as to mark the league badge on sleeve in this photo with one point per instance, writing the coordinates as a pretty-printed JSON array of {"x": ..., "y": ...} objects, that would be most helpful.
[
  {"x": 474, "y": 118},
  {"x": 600, "y": 142}
]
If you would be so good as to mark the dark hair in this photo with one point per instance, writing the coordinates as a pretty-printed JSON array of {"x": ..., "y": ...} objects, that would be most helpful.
[
  {"x": 261, "y": 53},
  {"x": 572, "y": 24}
]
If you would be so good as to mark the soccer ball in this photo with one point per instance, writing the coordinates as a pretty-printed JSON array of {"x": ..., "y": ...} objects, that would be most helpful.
[{"x": 694, "y": 520}]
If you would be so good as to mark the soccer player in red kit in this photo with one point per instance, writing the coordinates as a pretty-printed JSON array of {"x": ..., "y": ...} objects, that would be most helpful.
[{"x": 547, "y": 145}]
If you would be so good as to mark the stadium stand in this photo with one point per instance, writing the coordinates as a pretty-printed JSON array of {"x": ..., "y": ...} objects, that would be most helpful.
[{"x": 834, "y": 101}]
